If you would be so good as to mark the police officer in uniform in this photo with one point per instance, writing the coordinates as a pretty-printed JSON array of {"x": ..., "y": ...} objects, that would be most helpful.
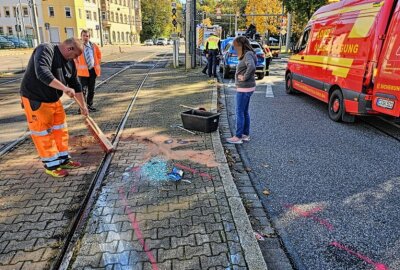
[{"x": 213, "y": 45}]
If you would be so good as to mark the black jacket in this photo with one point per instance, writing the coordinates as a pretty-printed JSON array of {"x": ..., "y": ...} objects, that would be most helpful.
[{"x": 45, "y": 64}]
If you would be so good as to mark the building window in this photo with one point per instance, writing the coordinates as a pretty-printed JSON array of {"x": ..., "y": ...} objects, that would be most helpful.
[
  {"x": 94, "y": 16},
  {"x": 1, "y": 30},
  {"x": 25, "y": 11},
  {"x": 119, "y": 37},
  {"x": 113, "y": 36},
  {"x": 15, "y": 12},
  {"x": 112, "y": 16},
  {"x": 7, "y": 12},
  {"x": 80, "y": 13},
  {"x": 94, "y": 1},
  {"x": 88, "y": 15},
  {"x": 103, "y": 15},
  {"x": 51, "y": 11},
  {"x": 122, "y": 18},
  {"x": 116, "y": 17},
  {"x": 9, "y": 30},
  {"x": 68, "y": 12}
]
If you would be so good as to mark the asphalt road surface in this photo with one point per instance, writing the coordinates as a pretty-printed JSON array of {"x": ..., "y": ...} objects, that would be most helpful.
[{"x": 334, "y": 187}]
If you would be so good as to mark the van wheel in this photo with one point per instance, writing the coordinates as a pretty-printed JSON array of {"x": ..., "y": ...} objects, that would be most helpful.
[
  {"x": 289, "y": 84},
  {"x": 336, "y": 106},
  {"x": 260, "y": 75}
]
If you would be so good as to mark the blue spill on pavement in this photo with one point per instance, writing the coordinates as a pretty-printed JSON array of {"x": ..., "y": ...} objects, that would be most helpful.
[{"x": 155, "y": 169}]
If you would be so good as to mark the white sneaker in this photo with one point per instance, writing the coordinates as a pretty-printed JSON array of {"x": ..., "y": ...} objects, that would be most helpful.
[
  {"x": 234, "y": 140},
  {"x": 245, "y": 138}
]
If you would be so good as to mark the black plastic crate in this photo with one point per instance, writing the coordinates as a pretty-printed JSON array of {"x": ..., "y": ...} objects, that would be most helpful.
[{"x": 200, "y": 120}]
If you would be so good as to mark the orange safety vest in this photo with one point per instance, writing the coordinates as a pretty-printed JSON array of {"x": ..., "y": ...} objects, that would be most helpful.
[{"x": 82, "y": 67}]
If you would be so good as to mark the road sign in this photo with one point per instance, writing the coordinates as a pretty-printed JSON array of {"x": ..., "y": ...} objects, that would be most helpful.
[
  {"x": 283, "y": 32},
  {"x": 174, "y": 22},
  {"x": 173, "y": 4}
]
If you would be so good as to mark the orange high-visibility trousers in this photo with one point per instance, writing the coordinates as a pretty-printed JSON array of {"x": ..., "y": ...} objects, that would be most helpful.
[{"x": 46, "y": 122}]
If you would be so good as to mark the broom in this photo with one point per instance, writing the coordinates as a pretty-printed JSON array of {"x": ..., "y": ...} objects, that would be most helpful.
[{"x": 96, "y": 132}]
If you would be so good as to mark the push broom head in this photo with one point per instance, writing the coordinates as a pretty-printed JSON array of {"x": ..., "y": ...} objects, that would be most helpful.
[
  {"x": 96, "y": 132},
  {"x": 99, "y": 135}
]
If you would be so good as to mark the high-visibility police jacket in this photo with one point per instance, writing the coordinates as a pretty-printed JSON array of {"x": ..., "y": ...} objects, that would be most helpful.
[
  {"x": 213, "y": 43},
  {"x": 81, "y": 65}
]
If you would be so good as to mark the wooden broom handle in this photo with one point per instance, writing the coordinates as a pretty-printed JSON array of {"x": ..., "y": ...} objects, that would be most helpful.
[{"x": 79, "y": 103}]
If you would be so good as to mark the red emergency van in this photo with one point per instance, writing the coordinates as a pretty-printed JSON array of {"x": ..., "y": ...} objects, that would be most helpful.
[{"x": 349, "y": 57}]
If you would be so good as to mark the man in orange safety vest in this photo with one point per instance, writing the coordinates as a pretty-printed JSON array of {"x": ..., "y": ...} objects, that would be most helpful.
[{"x": 88, "y": 66}]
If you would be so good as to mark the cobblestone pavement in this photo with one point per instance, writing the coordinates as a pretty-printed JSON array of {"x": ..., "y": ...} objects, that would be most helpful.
[
  {"x": 142, "y": 220},
  {"x": 35, "y": 209}
]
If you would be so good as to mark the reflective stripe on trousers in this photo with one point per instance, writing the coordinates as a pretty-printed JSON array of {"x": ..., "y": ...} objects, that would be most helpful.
[{"x": 48, "y": 131}]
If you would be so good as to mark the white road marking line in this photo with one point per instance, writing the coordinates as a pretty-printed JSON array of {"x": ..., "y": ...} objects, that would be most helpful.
[{"x": 269, "y": 93}]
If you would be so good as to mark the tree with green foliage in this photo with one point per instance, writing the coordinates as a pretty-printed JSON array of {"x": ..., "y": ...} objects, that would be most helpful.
[
  {"x": 157, "y": 18},
  {"x": 302, "y": 11},
  {"x": 305, "y": 8}
]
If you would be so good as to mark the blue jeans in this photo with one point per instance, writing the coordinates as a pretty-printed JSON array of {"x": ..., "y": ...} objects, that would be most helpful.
[{"x": 242, "y": 114}]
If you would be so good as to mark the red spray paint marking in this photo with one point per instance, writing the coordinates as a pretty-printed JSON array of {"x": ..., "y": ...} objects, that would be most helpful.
[
  {"x": 310, "y": 214},
  {"x": 138, "y": 232},
  {"x": 378, "y": 266},
  {"x": 193, "y": 171}
]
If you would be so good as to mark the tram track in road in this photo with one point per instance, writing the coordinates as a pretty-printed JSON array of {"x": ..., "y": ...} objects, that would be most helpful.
[
  {"x": 384, "y": 126},
  {"x": 78, "y": 224},
  {"x": 8, "y": 147}
]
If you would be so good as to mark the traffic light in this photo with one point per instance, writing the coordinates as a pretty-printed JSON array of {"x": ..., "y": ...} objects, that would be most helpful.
[{"x": 173, "y": 10}]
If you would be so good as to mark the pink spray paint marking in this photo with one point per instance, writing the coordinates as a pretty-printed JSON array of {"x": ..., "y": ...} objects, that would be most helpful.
[
  {"x": 377, "y": 266},
  {"x": 310, "y": 214},
  {"x": 193, "y": 171},
  {"x": 136, "y": 228}
]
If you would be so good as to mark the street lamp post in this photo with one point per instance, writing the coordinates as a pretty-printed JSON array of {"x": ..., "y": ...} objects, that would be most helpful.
[{"x": 32, "y": 4}]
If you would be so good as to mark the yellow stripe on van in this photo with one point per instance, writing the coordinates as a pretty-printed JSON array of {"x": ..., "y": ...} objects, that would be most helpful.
[
  {"x": 339, "y": 66},
  {"x": 365, "y": 8}
]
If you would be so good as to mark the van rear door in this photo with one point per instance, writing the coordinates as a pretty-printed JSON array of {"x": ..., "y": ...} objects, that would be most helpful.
[{"x": 386, "y": 94}]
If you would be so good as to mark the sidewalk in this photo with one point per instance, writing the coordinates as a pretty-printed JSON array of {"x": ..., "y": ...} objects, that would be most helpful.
[{"x": 141, "y": 219}]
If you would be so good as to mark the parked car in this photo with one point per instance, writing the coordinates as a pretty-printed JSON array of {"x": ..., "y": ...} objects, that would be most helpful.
[
  {"x": 230, "y": 60},
  {"x": 5, "y": 44},
  {"x": 18, "y": 42},
  {"x": 162, "y": 41},
  {"x": 148, "y": 42}
]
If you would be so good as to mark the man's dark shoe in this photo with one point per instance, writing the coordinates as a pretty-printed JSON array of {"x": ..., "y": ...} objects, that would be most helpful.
[{"x": 92, "y": 109}]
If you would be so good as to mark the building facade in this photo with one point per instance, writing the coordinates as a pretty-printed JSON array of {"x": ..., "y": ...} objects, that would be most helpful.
[
  {"x": 63, "y": 19},
  {"x": 116, "y": 21},
  {"x": 16, "y": 18},
  {"x": 120, "y": 21}
]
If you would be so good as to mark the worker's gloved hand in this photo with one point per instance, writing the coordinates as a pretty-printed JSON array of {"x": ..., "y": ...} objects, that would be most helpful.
[
  {"x": 85, "y": 111},
  {"x": 69, "y": 92}
]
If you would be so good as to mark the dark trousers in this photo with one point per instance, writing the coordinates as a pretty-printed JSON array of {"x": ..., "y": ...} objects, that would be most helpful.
[
  {"x": 212, "y": 62},
  {"x": 88, "y": 84}
]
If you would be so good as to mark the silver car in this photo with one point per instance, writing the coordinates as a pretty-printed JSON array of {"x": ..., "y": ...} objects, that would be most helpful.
[{"x": 148, "y": 42}]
